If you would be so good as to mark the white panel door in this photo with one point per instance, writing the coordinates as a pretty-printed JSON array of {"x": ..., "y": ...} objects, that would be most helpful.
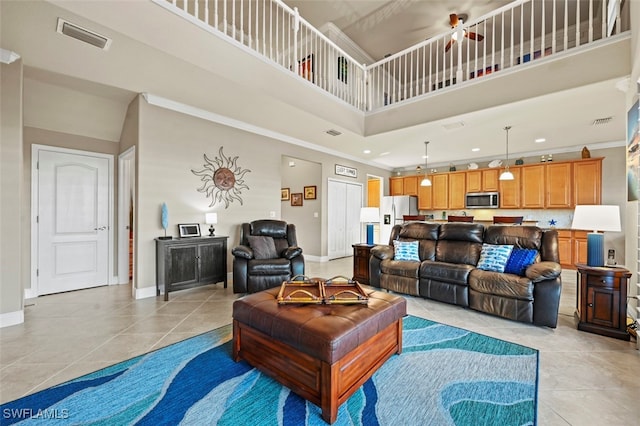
[
  {"x": 343, "y": 220},
  {"x": 73, "y": 219},
  {"x": 336, "y": 221}
]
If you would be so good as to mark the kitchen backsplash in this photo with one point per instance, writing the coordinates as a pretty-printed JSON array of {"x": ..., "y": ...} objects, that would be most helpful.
[{"x": 560, "y": 218}]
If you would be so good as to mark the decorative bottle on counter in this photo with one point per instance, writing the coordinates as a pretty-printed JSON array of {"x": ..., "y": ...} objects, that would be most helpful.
[{"x": 444, "y": 215}]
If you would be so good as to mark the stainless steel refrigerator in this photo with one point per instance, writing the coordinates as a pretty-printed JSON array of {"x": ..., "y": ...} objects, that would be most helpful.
[{"x": 392, "y": 208}]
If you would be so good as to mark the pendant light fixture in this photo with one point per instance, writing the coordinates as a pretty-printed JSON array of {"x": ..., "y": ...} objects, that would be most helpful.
[
  {"x": 426, "y": 181},
  {"x": 507, "y": 175}
]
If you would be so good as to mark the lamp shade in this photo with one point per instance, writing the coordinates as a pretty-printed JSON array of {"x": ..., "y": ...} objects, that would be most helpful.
[
  {"x": 369, "y": 214},
  {"x": 597, "y": 218},
  {"x": 211, "y": 218}
]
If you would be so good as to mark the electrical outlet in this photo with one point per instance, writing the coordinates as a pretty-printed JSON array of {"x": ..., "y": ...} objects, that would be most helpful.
[{"x": 272, "y": 214}]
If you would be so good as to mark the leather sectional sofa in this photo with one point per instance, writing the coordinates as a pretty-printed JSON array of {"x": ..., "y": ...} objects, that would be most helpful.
[{"x": 447, "y": 269}]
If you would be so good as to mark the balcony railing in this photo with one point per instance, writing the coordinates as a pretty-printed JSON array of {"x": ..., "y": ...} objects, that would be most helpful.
[{"x": 513, "y": 36}]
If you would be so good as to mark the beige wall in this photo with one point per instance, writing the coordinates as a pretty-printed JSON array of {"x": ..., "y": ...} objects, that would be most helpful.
[
  {"x": 11, "y": 207},
  {"x": 171, "y": 144},
  {"x": 308, "y": 217}
]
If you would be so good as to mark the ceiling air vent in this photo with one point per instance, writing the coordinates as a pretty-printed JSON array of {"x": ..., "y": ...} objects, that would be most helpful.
[
  {"x": 599, "y": 121},
  {"x": 83, "y": 34},
  {"x": 333, "y": 132}
]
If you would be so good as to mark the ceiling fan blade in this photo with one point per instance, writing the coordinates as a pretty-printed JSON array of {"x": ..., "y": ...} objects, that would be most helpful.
[
  {"x": 449, "y": 44},
  {"x": 453, "y": 20},
  {"x": 474, "y": 36}
]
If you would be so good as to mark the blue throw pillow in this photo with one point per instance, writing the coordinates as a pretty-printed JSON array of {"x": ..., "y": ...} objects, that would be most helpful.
[
  {"x": 519, "y": 260},
  {"x": 494, "y": 257},
  {"x": 405, "y": 250}
]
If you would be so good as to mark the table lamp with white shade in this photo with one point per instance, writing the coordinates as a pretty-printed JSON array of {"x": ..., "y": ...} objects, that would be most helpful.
[
  {"x": 369, "y": 215},
  {"x": 597, "y": 218},
  {"x": 211, "y": 219}
]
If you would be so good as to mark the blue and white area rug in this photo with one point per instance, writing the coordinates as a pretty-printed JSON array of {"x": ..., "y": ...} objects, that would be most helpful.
[{"x": 444, "y": 376}]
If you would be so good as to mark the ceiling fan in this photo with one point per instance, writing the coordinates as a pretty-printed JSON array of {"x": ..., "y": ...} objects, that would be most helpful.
[{"x": 454, "y": 21}]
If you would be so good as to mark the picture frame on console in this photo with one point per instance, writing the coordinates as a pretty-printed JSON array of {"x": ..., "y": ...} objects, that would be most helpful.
[{"x": 187, "y": 230}]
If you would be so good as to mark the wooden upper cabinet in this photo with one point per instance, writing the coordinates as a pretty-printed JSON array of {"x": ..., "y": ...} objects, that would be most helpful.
[
  {"x": 424, "y": 196},
  {"x": 533, "y": 186},
  {"x": 482, "y": 180},
  {"x": 587, "y": 182},
  {"x": 490, "y": 182},
  {"x": 440, "y": 191},
  {"x": 396, "y": 185},
  {"x": 559, "y": 185},
  {"x": 457, "y": 190},
  {"x": 410, "y": 185},
  {"x": 510, "y": 190},
  {"x": 474, "y": 181}
]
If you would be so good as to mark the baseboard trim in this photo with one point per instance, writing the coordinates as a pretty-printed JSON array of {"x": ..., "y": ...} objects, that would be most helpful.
[
  {"x": 11, "y": 318},
  {"x": 316, "y": 258},
  {"x": 145, "y": 292},
  {"x": 30, "y": 293}
]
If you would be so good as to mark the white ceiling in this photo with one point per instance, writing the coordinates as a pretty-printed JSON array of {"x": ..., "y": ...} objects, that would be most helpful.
[{"x": 144, "y": 57}]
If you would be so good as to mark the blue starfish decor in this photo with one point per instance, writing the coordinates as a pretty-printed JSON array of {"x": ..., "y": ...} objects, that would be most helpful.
[{"x": 552, "y": 222}]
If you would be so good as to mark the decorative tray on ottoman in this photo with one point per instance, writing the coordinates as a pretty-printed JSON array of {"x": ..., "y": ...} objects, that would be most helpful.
[
  {"x": 301, "y": 289},
  {"x": 341, "y": 290}
]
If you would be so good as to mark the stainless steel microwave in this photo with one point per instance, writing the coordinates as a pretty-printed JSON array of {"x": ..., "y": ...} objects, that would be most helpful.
[{"x": 482, "y": 200}]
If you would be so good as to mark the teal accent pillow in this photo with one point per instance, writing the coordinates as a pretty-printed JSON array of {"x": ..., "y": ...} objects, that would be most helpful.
[
  {"x": 494, "y": 257},
  {"x": 405, "y": 250},
  {"x": 519, "y": 260}
]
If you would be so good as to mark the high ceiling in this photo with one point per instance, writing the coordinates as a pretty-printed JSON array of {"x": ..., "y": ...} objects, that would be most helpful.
[
  {"x": 383, "y": 27},
  {"x": 68, "y": 83}
]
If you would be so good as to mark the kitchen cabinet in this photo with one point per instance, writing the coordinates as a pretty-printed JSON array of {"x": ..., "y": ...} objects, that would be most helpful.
[
  {"x": 559, "y": 185},
  {"x": 183, "y": 263},
  {"x": 602, "y": 300},
  {"x": 532, "y": 193},
  {"x": 572, "y": 247},
  {"x": 457, "y": 190},
  {"x": 410, "y": 185},
  {"x": 510, "y": 190},
  {"x": 440, "y": 191},
  {"x": 424, "y": 196},
  {"x": 587, "y": 181},
  {"x": 396, "y": 185},
  {"x": 485, "y": 180}
]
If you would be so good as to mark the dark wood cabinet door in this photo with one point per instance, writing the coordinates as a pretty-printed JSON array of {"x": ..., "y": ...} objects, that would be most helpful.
[
  {"x": 182, "y": 265},
  {"x": 213, "y": 261}
]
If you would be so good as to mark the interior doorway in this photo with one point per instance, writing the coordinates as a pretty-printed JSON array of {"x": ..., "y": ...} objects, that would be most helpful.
[
  {"x": 343, "y": 218},
  {"x": 126, "y": 215},
  {"x": 72, "y": 226}
]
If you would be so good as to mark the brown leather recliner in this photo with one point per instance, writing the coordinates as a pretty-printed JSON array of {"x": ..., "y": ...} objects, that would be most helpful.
[{"x": 268, "y": 254}]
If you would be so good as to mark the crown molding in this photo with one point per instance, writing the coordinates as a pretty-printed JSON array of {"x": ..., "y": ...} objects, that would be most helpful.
[{"x": 341, "y": 39}]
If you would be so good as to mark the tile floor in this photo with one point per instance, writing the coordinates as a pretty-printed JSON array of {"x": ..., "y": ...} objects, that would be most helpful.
[{"x": 585, "y": 379}]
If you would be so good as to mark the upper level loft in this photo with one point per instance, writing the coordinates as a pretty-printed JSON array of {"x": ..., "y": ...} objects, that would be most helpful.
[{"x": 512, "y": 38}]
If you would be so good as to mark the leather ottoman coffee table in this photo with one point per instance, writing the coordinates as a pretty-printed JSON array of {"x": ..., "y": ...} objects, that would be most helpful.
[{"x": 323, "y": 353}]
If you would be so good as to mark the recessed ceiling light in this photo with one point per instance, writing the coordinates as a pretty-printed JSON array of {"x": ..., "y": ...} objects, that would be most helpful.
[
  {"x": 539, "y": 140},
  {"x": 475, "y": 149},
  {"x": 367, "y": 151}
]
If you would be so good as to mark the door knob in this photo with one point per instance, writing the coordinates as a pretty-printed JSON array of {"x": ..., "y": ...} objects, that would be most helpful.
[{"x": 102, "y": 228}]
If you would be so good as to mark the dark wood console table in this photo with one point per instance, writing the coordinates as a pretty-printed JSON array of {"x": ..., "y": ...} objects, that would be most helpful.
[
  {"x": 183, "y": 263},
  {"x": 602, "y": 300}
]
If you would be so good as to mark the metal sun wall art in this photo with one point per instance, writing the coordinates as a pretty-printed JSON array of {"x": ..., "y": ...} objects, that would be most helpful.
[{"x": 223, "y": 179}]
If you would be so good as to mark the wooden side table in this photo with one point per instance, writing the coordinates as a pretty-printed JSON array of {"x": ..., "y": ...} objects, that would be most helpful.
[
  {"x": 361, "y": 253},
  {"x": 602, "y": 300}
]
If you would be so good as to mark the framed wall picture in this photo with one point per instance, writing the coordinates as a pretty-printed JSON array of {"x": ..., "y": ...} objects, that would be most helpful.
[
  {"x": 296, "y": 199},
  {"x": 189, "y": 230},
  {"x": 305, "y": 68},
  {"x": 310, "y": 192},
  {"x": 285, "y": 193}
]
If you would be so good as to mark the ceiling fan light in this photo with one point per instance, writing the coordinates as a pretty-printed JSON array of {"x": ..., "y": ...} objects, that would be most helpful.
[{"x": 425, "y": 182}]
